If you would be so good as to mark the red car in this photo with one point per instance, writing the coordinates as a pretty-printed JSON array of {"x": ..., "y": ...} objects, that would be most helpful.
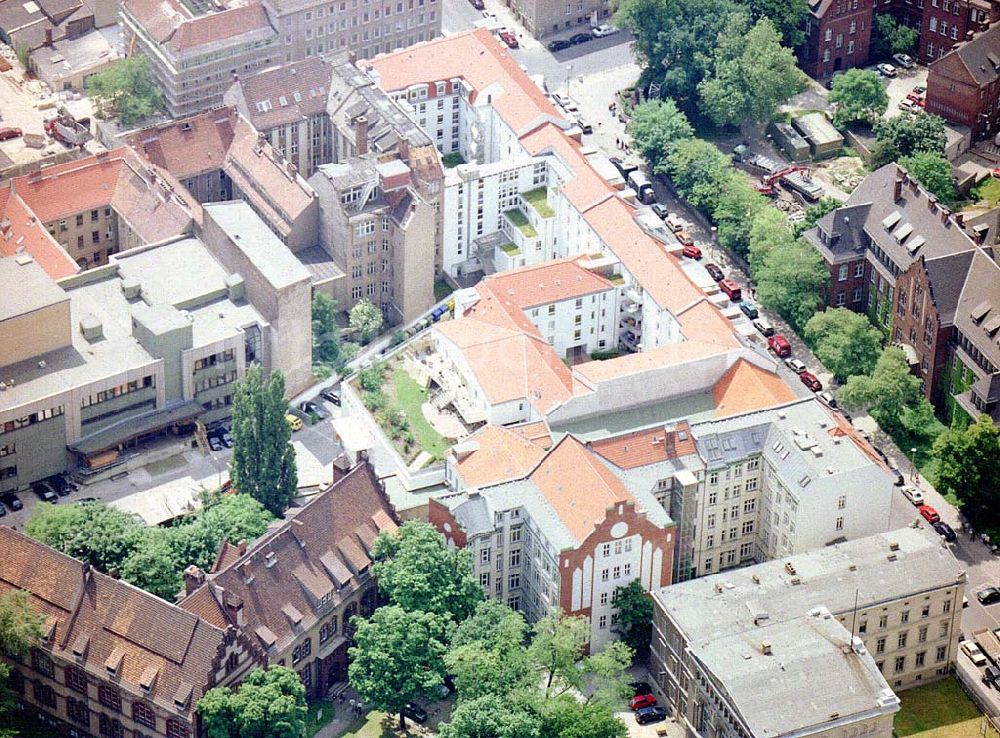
[
  {"x": 732, "y": 290},
  {"x": 692, "y": 252},
  {"x": 642, "y": 700},
  {"x": 810, "y": 381},
  {"x": 509, "y": 38},
  {"x": 8, "y": 133},
  {"x": 779, "y": 345},
  {"x": 929, "y": 513}
]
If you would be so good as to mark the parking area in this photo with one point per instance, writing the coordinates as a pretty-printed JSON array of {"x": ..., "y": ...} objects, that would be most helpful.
[{"x": 901, "y": 85}]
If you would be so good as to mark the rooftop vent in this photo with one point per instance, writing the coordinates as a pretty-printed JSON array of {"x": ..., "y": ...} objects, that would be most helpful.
[
  {"x": 790, "y": 567},
  {"x": 765, "y": 648},
  {"x": 91, "y": 328},
  {"x": 131, "y": 288},
  {"x": 892, "y": 557},
  {"x": 893, "y": 545},
  {"x": 186, "y": 126},
  {"x": 270, "y": 559},
  {"x": 796, "y": 581},
  {"x": 782, "y": 414}
]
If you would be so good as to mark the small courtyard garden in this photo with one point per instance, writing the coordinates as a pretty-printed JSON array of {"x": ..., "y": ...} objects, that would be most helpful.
[{"x": 938, "y": 710}]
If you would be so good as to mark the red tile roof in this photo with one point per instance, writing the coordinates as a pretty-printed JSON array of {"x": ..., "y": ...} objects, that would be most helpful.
[
  {"x": 501, "y": 454},
  {"x": 20, "y": 229},
  {"x": 631, "y": 450},
  {"x": 747, "y": 387},
  {"x": 188, "y": 147},
  {"x": 551, "y": 281}
]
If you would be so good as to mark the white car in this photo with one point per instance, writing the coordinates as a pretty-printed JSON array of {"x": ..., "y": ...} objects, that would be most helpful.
[
  {"x": 907, "y": 105},
  {"x": 886, "y": 70},
  {"x": 604, "y": 30},
  {"x": 674, "y": 223},
  {"x": 903, "y": 60},
  {"x": 795, "y": 365},
  {"x": 913, "y": 494},
  {"x": 972, "y": 651}
]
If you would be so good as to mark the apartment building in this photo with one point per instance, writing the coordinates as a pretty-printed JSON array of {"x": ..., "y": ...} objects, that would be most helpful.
[
  {"x": 838, "y": 36},
  {"x": 100, "y": 205},
  {"x": 197, "y": 48},
  {"x": 963, "y": 86},
  {"x": 220, "y": 156},
  {"x": 944, "y": 24},
  {"x": 543, "y": 18},
  {"x": 293, "y": 591},
  {"x": 100, "y": 362},
  {"x": 566, "y": 534},
  {"x": 891, "y": 601},
  {"x": 907, "y": 261},
  {"x": 287, "y": 105},
  {"x": 113, "y": 660},
  {"x": 380, "y": 233}
]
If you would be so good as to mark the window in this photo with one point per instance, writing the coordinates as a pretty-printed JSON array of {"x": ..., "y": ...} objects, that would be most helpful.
[
  {"x": 484, "y": 556},
  {"x": 842, "y": 502},
  {"x": 110, "y": 728},
  {"x": 44, "y": 694},
  {"x": 604, "y": 598},
  {"x": 605, "y": 574},
  {"x": 900, "y": 663},
  {"x": 901, "y": 642},
  {"x": 76, "y": 679},
  {"x": 904, "y": 617},
  {"x": 484, "y": 580},
  {"x": 328, "y": 630},
  {"x": 839, "y": 524},
  {"x": 922, "y": 634},
  {"x": 606, "y": 550},
  {"x": 109, "y": 697},
  {"x": 78, "y": 711},
  {"x": 919, "y": 659},
  {"x": 42, "y": 664},
  {"x": 944, "y": 629},
  {"x": 515, "y": 557},
  {"x": 842, "y": 273},
  {"x": 942, "y": 652},
  {"x": 602, "y": 622},
  {"x": 144, "y": 715},
  {"x": 883, "y": 621},
  {"x": 514, "y": 582},
  {"x": 616, "y": 572},
  {"x": 947, "y": 606},
  {"x": 627, "y": 570},
  {"x": 880, "y": 645}
]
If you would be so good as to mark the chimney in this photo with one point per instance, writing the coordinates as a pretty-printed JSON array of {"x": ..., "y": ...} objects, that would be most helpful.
[
  {"x": 194, "y": 577},
  {"x": 898, "y": 193},
  {"x": 48, "y": 36},
  {"x": 361, "y": 135},
  {"x": 931, "y": 202},
  {"x": 765, "y": 648},
  {"x": 960, "y": 219},
  {"x": 247, "y": 573},
  {"x": 944, "y": 212},
  {"x": 341, "y": 465},
  {"x": 404, "y": 149},
  {"x": 234, "y": 607},
  {"x": 241, "y": 547}
]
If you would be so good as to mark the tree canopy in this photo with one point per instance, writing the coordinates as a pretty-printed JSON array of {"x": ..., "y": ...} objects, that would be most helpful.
[
  {"x": 890, "y": 36},
  {"x": 886, "y": 391},
  {"x": 655, "y": 126},
  {"x": 99, "y": 534},
  {"x": 906, "y": 134},
  {"x": 129, "y": 87},
  {"x": 788, "y": 16},
  {"x": 491, "y": 715},
  {"x": 859, "y": 95},
  {"x": 634, "y": 610},
  {"x": 270, "y": 703},
  {"x": 790, "y": 279},
  {"x": 20, "y": 630},
  {"x": 752, "y": 74},
  {"x": 735, "y": 210},
  {"x": 768, "y": 230},
  {"x": 417, "y": 570},
  {"x": 263, "y": 461},
  {"x": 845, "y": 341},
  {"x": 365, "y": 319},
  {"x": 398, "y": 657},
  {"x": 933, "y": 172},
  {"x": 488, "y": 653},
  {"x": 700, "y": 172},
  {"x": 968, "y": 469}
]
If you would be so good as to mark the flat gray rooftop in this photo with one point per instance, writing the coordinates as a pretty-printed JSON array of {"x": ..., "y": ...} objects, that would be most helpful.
[
  {"x": 34, "y": 288},
  {"x": 722, "y": 604}
]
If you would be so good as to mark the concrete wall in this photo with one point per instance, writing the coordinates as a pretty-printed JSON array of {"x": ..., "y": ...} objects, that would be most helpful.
[{"x": 33, "y": 334}]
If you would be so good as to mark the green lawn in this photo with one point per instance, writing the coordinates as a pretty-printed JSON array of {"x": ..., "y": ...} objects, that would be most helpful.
[
  {"x": 409, "y": 397},
  {"x": 452, "y": 160},
  {"x": 520, "y": 220},
  {"x": 510, "y": 249},
  {"x": 538, "y": 199},
  {"x": 933, "y": 707},
  {"x": 313, "y": 724},
  {"x": 441, "y": 289},
  {"x": 989, "y": 190}
]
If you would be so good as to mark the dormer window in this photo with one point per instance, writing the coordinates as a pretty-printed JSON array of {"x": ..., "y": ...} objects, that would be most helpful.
[{"x": 148, "y": 679}]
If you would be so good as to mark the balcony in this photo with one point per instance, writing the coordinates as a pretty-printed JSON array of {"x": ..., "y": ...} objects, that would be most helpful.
[
  {"x": 520, "y": 221},
  {"x": 538, "y": 200}
]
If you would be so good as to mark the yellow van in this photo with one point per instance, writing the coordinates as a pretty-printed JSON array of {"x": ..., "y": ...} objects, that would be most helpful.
[{"x": 294, "y": 422}]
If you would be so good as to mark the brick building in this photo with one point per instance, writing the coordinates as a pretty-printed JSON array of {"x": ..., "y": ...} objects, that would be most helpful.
[
  {"x": 294, "y": 591},
  {"x": 838, "y": 34},
  {"x": 566, "y": 534},
  {"x": 113, "y": 660},
  {"x": 945, "y": 23},
  {"x": 963, "y": 87}
]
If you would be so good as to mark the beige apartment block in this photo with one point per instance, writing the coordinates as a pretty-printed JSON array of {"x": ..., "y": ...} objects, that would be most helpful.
[{"x": 552, "y": 17}]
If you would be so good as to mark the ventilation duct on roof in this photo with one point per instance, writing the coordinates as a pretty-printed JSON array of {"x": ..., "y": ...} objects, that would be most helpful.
[{"x": 91, "y": 328}]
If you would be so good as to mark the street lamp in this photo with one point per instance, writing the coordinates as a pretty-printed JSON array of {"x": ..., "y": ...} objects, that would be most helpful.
[
  {"x": 913, "y": 460},
  {"x": 569, "y": 77}
]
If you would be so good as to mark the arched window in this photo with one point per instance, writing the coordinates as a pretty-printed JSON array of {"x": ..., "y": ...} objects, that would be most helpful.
[{"x": 144, "y": 715}]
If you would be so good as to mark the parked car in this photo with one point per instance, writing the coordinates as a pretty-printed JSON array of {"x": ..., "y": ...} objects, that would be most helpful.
[
  {"x": 312, "y": 408},
  {"x": 779, "y": 345},
  {"x": 8, "y": 133},
  {"x": 559, "y": 45},
  {"x": 652, "y": 714},
  {"x": 795, "y": 365},
  {"x": 674, "y": 223},
  {"x": 904, "y": 61},
  {"x": 580, "y": 38},
  {"x": 44, "y": 492},
  {"x": 660, "y": 210},
  {"x": 605, "y": 29},
  {"x": 749, "y": 309},
  {"x": 991, "y": 676},
  {"x": 227, "y": 440},
  {"x": 908, "y": 105},
  {"x": 732, "y": 290},
  {"x": 330, "y": 396},
  {"x": 214, "y": 442},
  {"x": 972, "y": 651},
  {"x": 294, "y": 422},
  {"x": 885, "y": 69},
  {"x": 60, "y": 485},
  {"x": 692, "y": 252},
  {"x": 3, "y": 510},
  {"x": 12, "y": 501},
  {"x": 509, "y": 38},
  {"x": 584, "y": 124},
  {"x": 624, "y": 168},
  {"x": 640, "y": 688},
  {"x": 764, "y": 326},
  {"x": 915, "y": 96},
  {"x": 477, "y": 4},
  {"x": 641, "y": 700},
  {"x": 988, "y": 595},
  {"x": 714, "y": 272},
  {"x": 415, "y": 712},
  {"x": 684, "y": 237},
  {"x": 810, "y": 381},
  {"x": 945, "y": 531},
  {"x": 828, "y": 398},
  {"x": 914, "y": 495},
  {"x": 928, "y": 513},
  {"x": 920, "y": 90}
]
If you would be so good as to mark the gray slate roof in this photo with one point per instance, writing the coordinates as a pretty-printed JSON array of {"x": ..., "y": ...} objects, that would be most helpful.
[
  {"x": 981, "y": 289},
  {"x": 975, "y": 56}
]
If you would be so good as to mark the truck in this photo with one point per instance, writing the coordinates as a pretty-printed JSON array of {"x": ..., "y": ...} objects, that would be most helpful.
[
  {"x": 639, "y": 182},
  {"x": 68, "y": 130},
  {"x": 988, "y": 643}
]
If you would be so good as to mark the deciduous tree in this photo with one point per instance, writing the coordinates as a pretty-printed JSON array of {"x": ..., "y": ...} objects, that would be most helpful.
[
  {"x": 488, "y": 653},
  {"x": 99, "y": 534},
  {"x": 886, "y": 391},
  {"x": 655, "y": 127},
  {"x": 909, "y": 133},
  {"x": 566, "y": 717},
  {"x": 845, "y": 341},
  {"x": 417, "y": 570},
  {"x": 791, "y": 279},
  {"x": 270, "y": 703},
  {"x": 768, "y": 230},
  {"x": 788, "y": 16},
  {"x": 753, "y": 73},
  {"x": 859, "y": 95},
  {"x": 491, "y": 716},
  {"x": 20, "y": 630},
  {"x": 932, "y": 171},
  {"x": 397, "y": 657},
  {"x": 559, "y": 642},
  {"x": 634, "y": 616},
  {"x": 366, "y": 319},
  {"x": 129, "y": 88},
  {"x": 700, "y": 172},
  {"x": 263, "y": 461},
  {"x": 967, "y": 468},
  {"x": 890, "y": 36},
  {"x": 734, "y": 213}
]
